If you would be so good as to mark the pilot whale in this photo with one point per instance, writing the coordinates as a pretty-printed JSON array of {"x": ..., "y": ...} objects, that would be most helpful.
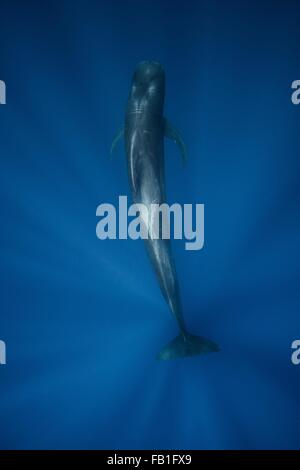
[{"x": 144, "y": 131}]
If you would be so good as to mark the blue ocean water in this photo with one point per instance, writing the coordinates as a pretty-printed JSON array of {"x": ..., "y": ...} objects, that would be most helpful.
[{"x": 83, "y": 319}]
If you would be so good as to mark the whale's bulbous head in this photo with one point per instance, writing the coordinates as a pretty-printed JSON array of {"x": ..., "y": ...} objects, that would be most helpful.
[
  {"x": 147, "y": 72},
  {"x": 148, "y": 86}
]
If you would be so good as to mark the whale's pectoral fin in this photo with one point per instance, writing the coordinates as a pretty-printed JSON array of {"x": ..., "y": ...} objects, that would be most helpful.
[
  {"x": 119, "y": 135},
  {"x": 186, "y": 345},
  {"x": 172, "y": 133}
]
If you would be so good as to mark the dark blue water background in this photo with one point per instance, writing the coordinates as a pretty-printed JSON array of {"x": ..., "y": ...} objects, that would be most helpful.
[{"x": 82, "y": 318}]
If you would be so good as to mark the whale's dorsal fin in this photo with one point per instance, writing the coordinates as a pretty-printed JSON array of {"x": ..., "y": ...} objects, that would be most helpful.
[
  {"x": 172, "y": 133},
  {"x": 119, "y": 135}
]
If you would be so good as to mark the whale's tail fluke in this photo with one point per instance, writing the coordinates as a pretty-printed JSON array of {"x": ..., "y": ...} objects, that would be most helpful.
[{"x": 185, "y": 345}]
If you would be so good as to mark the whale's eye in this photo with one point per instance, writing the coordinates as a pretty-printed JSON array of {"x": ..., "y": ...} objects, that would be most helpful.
[{"x": 151, "y": 89}]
